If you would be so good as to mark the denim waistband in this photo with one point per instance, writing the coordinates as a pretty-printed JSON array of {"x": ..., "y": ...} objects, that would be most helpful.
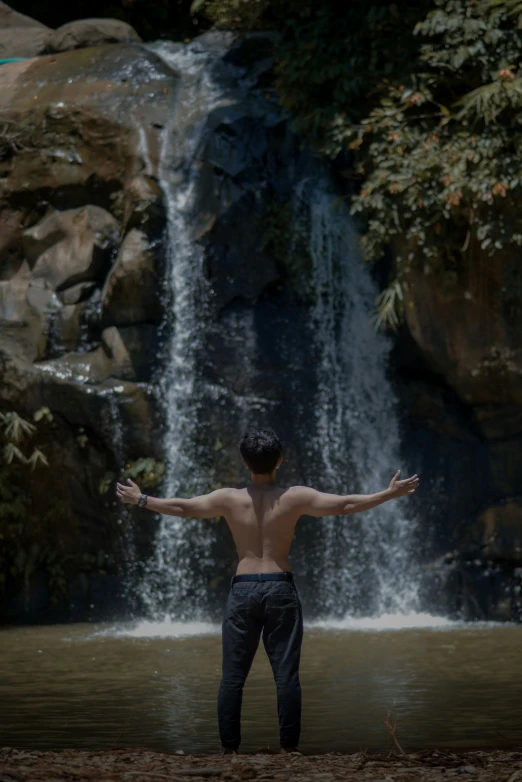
[{"x": 283, "y": 576}]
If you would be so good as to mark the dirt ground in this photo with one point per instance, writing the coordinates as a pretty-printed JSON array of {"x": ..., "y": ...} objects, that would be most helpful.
[{"x": 134, "y": 765}]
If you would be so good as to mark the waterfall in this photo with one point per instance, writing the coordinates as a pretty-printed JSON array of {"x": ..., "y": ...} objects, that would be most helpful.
[
  {"x": 356, "y": 424},
  {"x": 168, "y": 583},
  {"x": 365, "y": 564}
]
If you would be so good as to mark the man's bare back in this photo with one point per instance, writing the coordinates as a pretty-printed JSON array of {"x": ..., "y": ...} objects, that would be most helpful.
[{"x": 262, "y": 517}]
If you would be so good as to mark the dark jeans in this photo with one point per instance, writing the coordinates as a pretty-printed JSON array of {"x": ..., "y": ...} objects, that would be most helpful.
[{"x": 274, "y": 609}]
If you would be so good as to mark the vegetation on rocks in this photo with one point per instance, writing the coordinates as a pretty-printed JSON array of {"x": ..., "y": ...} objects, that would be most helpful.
[
  {"x": 438, "y": 157},
  {"x": 26, "y": 540},
  {"x": 37, "y": 528}
]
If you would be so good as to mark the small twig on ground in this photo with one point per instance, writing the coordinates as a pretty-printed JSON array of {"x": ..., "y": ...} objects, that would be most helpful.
[{"x": 391, "y": 728}]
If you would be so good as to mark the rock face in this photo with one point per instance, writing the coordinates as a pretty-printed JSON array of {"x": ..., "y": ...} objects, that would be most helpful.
[
  {"x": 129, "y": 293},
  {"x": 459, "y": 368},
  {"x": 71, "y": 247},
  {"x": 81, "y": 213}
]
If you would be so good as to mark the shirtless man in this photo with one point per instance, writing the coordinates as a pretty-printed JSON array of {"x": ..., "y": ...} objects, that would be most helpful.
[{"x": 263, "y": 598}]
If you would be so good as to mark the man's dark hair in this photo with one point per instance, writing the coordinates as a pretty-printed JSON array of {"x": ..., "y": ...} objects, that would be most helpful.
[{"x": 261, "y": 449}]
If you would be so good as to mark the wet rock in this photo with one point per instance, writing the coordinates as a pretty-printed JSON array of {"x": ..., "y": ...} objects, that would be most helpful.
[
  {"x": 92, "y": 116},
  {"x": 501, "y": 527},
  {"x": 131, "y": 348},
  {"x": 117, "y": 350},
  {"x": 92, "y": 32},
  {"x": 71, "y": 247},
  {"x": 11, "y": 227},
  {"x": 68, "y": 324},
  {"x": 41, "y": 296},
  {"x": 76, "y": 293},
  {"x": 143, "y": 205},
  {"x": 13, "y": 303},
  {"x": 237, "y": 265},
  {"x": 89, "y": 368},
  {"x": 129, "y": 294}
]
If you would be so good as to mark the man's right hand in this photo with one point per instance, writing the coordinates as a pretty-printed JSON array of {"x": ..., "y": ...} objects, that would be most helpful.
[{"x": 400, "y": 488}]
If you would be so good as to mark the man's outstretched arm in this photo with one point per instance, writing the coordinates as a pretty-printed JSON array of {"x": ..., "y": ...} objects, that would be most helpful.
[
  {"x": 318, "y": 503},
  {"x": 204, "y": 507}
]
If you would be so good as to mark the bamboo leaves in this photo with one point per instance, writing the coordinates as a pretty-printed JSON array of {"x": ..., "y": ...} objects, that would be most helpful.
[{"x": 15, "y": 430}]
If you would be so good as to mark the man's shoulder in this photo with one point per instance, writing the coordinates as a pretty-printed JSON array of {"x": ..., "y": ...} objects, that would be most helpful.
[
  {"x": 300, "y": 489},
  {"x": 230, "y": 493},
  {"x": 298, "y": 492}
]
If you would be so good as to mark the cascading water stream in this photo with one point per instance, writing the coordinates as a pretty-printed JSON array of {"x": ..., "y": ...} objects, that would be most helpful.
[
  {"x": 355, "y": 437},
  {"x": 356, "y": 423},
  {"x": 181, "y": 593}
]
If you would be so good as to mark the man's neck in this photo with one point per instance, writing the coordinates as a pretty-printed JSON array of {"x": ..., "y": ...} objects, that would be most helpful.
[{"x": 263, "y": 479}]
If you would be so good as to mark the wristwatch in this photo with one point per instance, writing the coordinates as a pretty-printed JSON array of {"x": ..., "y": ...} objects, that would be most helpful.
[{"x": 142, "y": 500}]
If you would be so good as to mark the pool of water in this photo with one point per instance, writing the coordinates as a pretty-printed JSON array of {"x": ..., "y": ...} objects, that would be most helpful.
[{"x": 151, "y": 685}]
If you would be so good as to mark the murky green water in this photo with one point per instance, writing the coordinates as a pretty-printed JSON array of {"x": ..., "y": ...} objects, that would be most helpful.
[{"x": 96, "y": 687}]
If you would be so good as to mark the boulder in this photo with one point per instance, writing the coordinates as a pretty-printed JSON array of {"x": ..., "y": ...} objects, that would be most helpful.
[
  {"x": 129, "y": 294},
  {"x": 77, "y": 293},
  {"x": 88, "y": 120},
  {"x": 13, "y": 303},
  {"x": 90, "y": 368},
  {"x": 10, "y": 18},
  {"x": 112, "y": 341},
  {"x": 11, "y": 227},
  {"x": 143, "y": 206},
  {"x": 41, "y": 296},
  {"x": 92, "y": 32},
  {"x": 24, "y": 41},
  {"x": 71, "y": 247},
  {"x": 68, "y": 325},
  {"x": 21, "y": 36},
  {"x": 132, "y": 349}
]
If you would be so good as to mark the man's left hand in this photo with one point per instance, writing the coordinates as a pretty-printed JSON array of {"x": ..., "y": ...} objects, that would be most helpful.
[{"x": 129, "y": 492}]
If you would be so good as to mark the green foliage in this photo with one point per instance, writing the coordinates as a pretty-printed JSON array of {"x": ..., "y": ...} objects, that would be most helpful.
[
  {"x": 23, "y": 548},
  {"x": 234, "y": 14},
  {"x": 439, "y": 156},
  {"x": 15, "y": 430},
  {"x": 146, "y": 471}
]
